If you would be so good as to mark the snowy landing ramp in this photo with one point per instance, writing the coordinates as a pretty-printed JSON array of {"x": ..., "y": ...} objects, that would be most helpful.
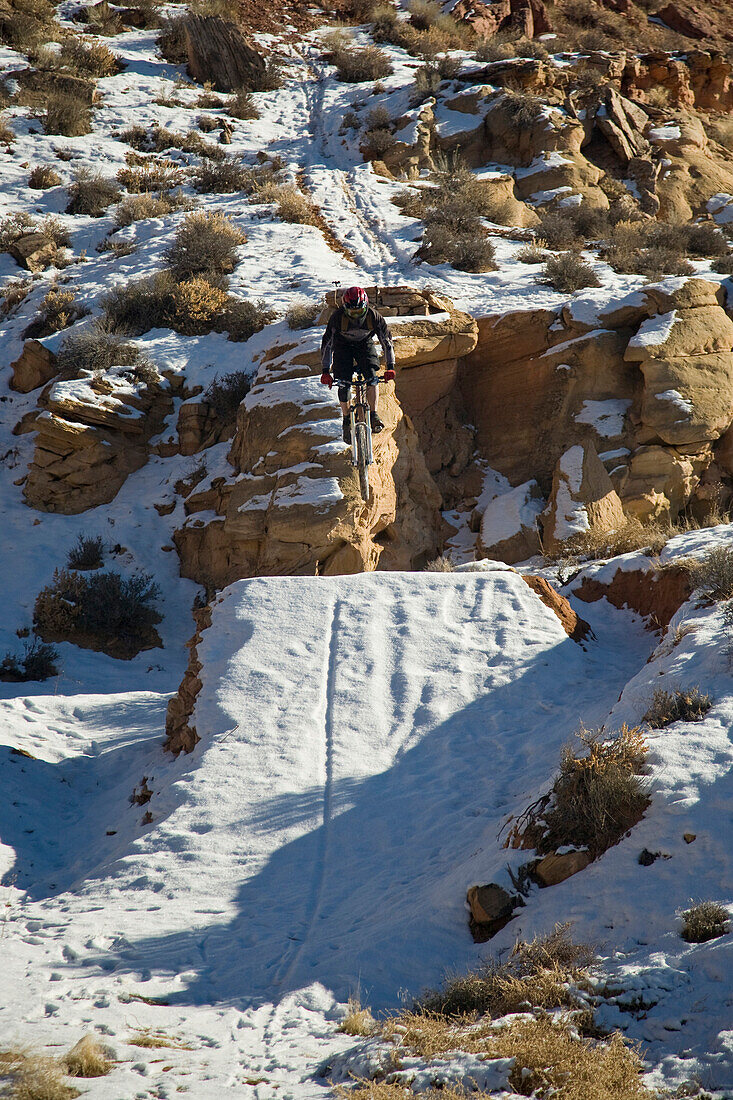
[{"x": 363, "y": 740}]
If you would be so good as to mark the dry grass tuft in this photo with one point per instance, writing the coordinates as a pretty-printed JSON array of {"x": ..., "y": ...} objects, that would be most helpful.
[
  {"x": 303, "y": 314},
  {"x": 13, "y": 294},
  {"x": 136, "y": 208},
  {"x": 667, "y": 707},
  {"x": 356, "y": 66},
  {"x": 205, "y": 245},
  {"x": 226, "y": 393},
  {"x": 595, "y": 798},
  {"x": 153, "y": 175},
  {"x": 292, "y": 205},
  {"x": 442, "y": 564},
  {"x": 540, "y": 973},
  {"x": 66, "y": 115},
  {"x": 42, "y": 177},
  {"x": 651, "y": 536},
  {"x": 87, "y": 1059},
  {"x": 34, "y": 1077},
  {"x": 713, "y": 574},
  {"x": 242, "y": 105},
  {"x": 358, "y": 1020},
  {"x": 91, "y": 193},
  {"x": 705, "y": 921},
  {"x": 151, "y": 1039}
]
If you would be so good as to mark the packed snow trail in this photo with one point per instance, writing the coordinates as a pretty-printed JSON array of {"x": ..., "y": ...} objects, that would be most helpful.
[{"x": 363, "y": 738}]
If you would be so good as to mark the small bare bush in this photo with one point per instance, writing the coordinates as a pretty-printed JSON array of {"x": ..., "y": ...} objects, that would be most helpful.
[
  {"x": 13, "y": 294},
  {"x": 244, "y": 318},
  {"x": 494, "y": 49},
  {"x": 568, "y": 273},
  {"x": 223, "y": 178},
  {"x": 42, "y": 177},
  {"x": 103, "y": 610},
  {"x": 207, "y": 123},
  {"x": 205, "y": 244},
  {"x": 172, "y": 40},
  {"x": 87, "y": 1059},
  {"x": 37, "y": 662},
  {"x": 86, "y": 553},
  {"x": 137, "y": 208},
  {"x": 541, "y": 973},
  {"x": 443, "y": 564},
  {"x": 377, "y": 143},
  {"x": 59, "y": 309},
  {"x": 534, "y": 253},
  {"x": 465, "y": 250},
  {"x": 91, "y": 193},
  {"x": 596, "y": 797},
  {"x": 66, "y": 115},
  {"x": 358, "y": 1021},
  {"x": 242, "y": 105},
  {"x": 303, "y": 315},
  {"x": 96, "y": 348},
  {"x": 712, "y": 575},
  {"x": 724, "y": 266},
  {"x": 152, "y": 176},
  {"x": 226, "y": 393},
  {"x": 705, "y": 921},
  {"x": 294, "y": 207},
  {"x": 667, "y": 707},
  {"x": 356, "y": 66},
  {"x": 87, "y": 59}
]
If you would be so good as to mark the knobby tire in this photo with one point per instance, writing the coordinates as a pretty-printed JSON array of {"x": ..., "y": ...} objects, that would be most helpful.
[{"x": 362, "y": 452}]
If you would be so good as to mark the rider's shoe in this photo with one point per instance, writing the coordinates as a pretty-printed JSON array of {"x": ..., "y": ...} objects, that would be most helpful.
[
  {"x": 347, "y": 429},
  {"x": 377, "y": 424}
]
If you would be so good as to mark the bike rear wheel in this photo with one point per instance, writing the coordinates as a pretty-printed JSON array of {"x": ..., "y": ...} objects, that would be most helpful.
[{"x": 362, "y": 458}]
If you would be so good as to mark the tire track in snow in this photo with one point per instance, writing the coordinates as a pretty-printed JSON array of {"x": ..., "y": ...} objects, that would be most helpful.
[{"x": 295, "y": 951}]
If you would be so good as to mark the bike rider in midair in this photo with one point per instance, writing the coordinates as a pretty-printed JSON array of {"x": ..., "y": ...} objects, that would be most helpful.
[{"x": 347, "y": 345}]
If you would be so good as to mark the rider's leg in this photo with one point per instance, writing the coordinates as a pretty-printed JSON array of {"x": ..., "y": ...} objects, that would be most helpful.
[{"x": 372, "y": 398}]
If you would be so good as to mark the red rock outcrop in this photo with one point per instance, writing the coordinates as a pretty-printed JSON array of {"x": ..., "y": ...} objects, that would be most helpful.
[{"x": 655, "y": 594}]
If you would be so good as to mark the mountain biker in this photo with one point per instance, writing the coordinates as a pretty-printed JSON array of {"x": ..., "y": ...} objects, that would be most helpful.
[{"x": 347, "y": 345}]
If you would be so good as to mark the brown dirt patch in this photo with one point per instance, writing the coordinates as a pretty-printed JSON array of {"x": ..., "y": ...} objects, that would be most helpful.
[{"x": 656, "y": 596}]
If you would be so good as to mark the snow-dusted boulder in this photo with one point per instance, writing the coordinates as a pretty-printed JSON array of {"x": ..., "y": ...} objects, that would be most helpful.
[
  {"x": 583, "y": 499},
  {"x": 509, "y": 529}
]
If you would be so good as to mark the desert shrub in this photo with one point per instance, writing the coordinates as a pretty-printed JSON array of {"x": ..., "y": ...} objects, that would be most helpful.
[
  {"x": 655, "y": 249},
  {"x": 172, "y": 40},
  {"x": 532, "y": 48},
  {"x": 427, "y": 82},
  {"x": 705, "y": 239},
  {"x": 91, "y": 193},
  {"x": 533, "y": 253},
  {"x": 27, "y": 24},
  {"x": 242, "y": 105},
  {"x": 207, "y": 123},
  {"x": 88, "y": 1058},
  {"x": 96, "y": 348},
  {"x": 522, "y": 108},
  {"x": 443, "y": 564},
  {"x": 568, "y": 273},
  {"x": 271, "y": 79},
  {"x": 724, "y": 266},
  {"x": 114, "y": 250},
  {"x": 13, "y": 294},
  {"x": 464, "y": 250},
  {"x": 712, "y": 575},
  {"x": 59, "y": 309},
  {"x": 114, "y": 612},
  {"x": 667, "y": 707},
  {"x": 705, "y": 921},
  {"x": 595, "y": 798},
  {"x": 19, "y": 224},
  {"x": 292, "y": 205},
  {"x": 494, "y": 49},
  {"x": 652, "y": 263},
  {"x": 66, "y": 115},
  {"x": 37, "y": 662},
  {"x": 540, "y": 972},
  {"x": 355, "y": 66},
  {"x": 573, "y": 226},
  {"x": 86, "y": 553},
  {"x": 223, "y": 178},
  {"x": 424, "y": 13},
  {"x": 378, "y": 118},
  {"x": 42, "y": 177},
  {"x": 193, "y": 307},
  {"x": 651, "y": 536},
  {"x": 154, "y": 175},
  {"x": 88, "y": 58},
  {"x": 205, "y": 244},
  {"x": 244, "y": 318},
  {"x": 137, "y": 208},
  {"x": 7, "y": 136},
  {"x": 377, "y": 143},
  {"x": 303, "y": 314},
  {"x": 226, "y": 393}
]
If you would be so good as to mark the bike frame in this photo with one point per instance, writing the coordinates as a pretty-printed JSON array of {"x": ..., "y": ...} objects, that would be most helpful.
[{"x": 359, "y": 411}]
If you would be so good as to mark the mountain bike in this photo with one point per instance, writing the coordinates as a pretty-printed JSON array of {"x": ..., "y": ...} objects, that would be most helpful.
[{"x": 362, "y": 455}]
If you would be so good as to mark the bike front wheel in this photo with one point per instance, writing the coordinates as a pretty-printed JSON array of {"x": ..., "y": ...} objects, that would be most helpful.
[{"x": 362, "y": 458}]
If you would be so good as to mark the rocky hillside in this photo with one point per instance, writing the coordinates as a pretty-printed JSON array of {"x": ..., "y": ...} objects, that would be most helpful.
[{"x": 539, "y": 199}]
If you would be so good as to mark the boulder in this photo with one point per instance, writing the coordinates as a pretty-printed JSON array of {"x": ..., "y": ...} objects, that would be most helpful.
[
  {"x": 575, "y": 627},
  {"x": 555, "y": 868},
  {"x": 181, "y": 736},
  {"x": 622, "y": 123},
  {"x": 509, "y": 526},
  {"x": 33, "y": 251},
  {"x": 687, "y": 19},
  {"x": 661, "y": 480},
  {"x": 200, "y": 427},
  {"x": 34, "y": 367},
  {"x": 583, "y": 498},
  {"x": 219, "y": 53},
  {"x": 489, "y": 903}
]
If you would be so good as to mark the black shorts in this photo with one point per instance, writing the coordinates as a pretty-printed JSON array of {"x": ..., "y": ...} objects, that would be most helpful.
[{"x": 348, "y": 358}]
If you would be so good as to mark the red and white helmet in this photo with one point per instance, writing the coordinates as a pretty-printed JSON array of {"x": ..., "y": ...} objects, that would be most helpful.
[{"x": 355, "y": 302}]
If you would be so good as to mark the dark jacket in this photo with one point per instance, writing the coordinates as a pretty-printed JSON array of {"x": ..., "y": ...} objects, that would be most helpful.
[{"x": 343, "y": 330}]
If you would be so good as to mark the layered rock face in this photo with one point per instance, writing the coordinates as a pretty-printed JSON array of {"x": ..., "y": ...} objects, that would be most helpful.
[
  {"x": 91, "y": 434},
  {"x": 291, "y": 505},
  {"x": 643, "y": 384}
]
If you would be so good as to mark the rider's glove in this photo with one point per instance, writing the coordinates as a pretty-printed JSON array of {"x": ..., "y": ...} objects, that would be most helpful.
[
  {"x": 326, "y": 379},
  {"x": 389, "y": 376}
]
